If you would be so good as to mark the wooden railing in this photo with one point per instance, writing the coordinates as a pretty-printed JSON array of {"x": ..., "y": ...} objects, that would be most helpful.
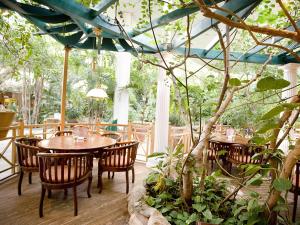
[{"x": 144, "y": 133}]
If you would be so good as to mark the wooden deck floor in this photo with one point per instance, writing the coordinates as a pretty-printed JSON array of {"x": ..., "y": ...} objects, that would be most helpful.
[{"x": 109, "y": 207}]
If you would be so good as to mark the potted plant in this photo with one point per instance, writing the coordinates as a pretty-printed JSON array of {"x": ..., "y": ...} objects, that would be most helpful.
[{"x": 6, "y": 118}]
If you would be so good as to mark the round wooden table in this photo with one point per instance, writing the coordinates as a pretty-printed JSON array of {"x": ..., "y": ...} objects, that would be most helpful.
[
  {"x": 68, "y": 143},
  {"x": 223, "y": 139}
]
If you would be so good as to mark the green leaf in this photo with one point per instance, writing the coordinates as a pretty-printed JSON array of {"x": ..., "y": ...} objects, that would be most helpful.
[
  {"x": 258, "y": 140},
  {"x": 150, "y": 200},
  {"x": 199, "y": 207},
  {"x": 282, "y": 184},
  {"x": 216, "y": 220},
  {"x": 193, "y": 218},
  {"x": 256, "y": 180},
  {"x": 234, "y": 82},
  {"x": 157, "y": 154},
  {"x": 273, "y": 112},
  {"x": 267, "y": 126},
  {"x": 271, "y": 83},
  {"x": 207, "y": 214},
  {"x": 251, "y": 169}
]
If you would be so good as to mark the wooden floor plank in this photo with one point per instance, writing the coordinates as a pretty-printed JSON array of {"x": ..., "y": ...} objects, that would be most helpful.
[{"x": 107, "y": 208}]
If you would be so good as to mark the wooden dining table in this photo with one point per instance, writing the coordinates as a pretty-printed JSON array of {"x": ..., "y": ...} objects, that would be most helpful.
[
  {"x": 92, "y": 143},
  {"x": 218, "y": 137}
]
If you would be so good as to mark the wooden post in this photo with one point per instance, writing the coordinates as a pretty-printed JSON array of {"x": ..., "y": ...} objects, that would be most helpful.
[
  {"x": 64, "y": 90},
  {"x": 21, "y": 128},
  {"x": 13, "y": 151},
  {"x": 129, "y": 131},
  {"x": 45, "y": 129}
]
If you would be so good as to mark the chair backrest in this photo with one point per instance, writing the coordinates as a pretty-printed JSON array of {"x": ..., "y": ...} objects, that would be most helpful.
[
  {"x": 64, "y": 133},
  {"x": 62, "y": 168},
  {"x": 243, "y": 153},
  {"x": 27, "y": 151},
  {"x": 121, "y": 155},
  {"x": 112, "y": 135},
  {"x": 80, "y": 130}
]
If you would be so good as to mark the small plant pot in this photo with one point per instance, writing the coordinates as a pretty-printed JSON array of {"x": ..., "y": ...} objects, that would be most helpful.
[{"x": 6, "y": 119}]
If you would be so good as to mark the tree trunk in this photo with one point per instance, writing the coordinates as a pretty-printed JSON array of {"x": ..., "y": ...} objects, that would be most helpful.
[
  {"x": 25, "y": 98},
  {"x": 289, "y": 163},
  {"x": 38, "y": 91}
]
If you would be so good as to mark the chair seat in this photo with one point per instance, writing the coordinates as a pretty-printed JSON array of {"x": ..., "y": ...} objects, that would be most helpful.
[{"x": 59, "y": 178}]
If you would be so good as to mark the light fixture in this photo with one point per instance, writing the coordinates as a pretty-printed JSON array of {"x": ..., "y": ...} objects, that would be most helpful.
[{"x": 97, "y": 93}]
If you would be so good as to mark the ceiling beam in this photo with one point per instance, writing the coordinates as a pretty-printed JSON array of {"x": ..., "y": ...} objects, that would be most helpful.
[
  {"x": 207, "y": 23},
  {"x": 42, "y": 14},
  {"x": 168, "y": 18},
  {"x": 234, "y": 56},
  {"x": 79, "y": 12}
]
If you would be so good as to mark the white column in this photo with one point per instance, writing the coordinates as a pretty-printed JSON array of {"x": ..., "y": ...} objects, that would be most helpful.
[
  {"x": 161, "y": 115},
  {"x": 121, "y": 98},
  {"x": 290, "y": 74}
]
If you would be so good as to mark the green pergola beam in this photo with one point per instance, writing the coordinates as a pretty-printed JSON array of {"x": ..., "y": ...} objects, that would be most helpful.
[
  {"x": 79, "y": 12},
  {"x": 272, "y": 40},
  {"x": 170, "y": 17},
  {"x": 103, "y": 5},
  {"x": 42, "y": 14},
  {"x": 207, "y": 23},
  {"x": 62, "y": 29},
  {"x": 234, "y": 56}
]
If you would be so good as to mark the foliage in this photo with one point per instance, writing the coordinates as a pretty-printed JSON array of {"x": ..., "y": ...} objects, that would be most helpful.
[
  {"x": 163, "y": 194},
  {"x": 142, "y": 90}
]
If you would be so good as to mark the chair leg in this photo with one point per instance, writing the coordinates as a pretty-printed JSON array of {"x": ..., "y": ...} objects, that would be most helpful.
[
  {"x": 30, "y": 178},
  {"x": 89, "y": 186},
  {"x": 108, "y": 174},
  {"x": 295, "y": 205},
  {"x": 100, "y": 181},
  {"x": 113, "y": 175},
  {"x": 20, "y": 182},
  {"x": 127, "y": 182},
  {"x": 75, "y": 201},
  {"x": 42, "y": 201},
  {"x": 65, "y": 193},
  {"x": 133, "y": 175},
  {"x": 49, "y": 193}
]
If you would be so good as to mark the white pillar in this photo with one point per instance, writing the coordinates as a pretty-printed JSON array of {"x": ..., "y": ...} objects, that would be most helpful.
[
  {"x": 161, "y": 115},
  {"x": 121, "y": 98},
  {"x": 290, "y": 74}
]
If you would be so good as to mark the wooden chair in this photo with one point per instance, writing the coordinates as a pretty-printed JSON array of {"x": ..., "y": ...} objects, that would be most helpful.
[
  {"x": 112, "y": 135},
  {"x": 214, "y": 148},
  {"x": 64, "y": 133},
  {"x": 64, "y": 170},
  {"x": 27, "y": 150},
  {"x": 242, "y": 154},
  {"x": 119, "y": 158},
  {"x": 296, "y": 188}
]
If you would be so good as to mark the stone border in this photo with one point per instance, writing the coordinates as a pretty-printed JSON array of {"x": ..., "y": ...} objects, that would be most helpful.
[{"x": 141, "y": 213}]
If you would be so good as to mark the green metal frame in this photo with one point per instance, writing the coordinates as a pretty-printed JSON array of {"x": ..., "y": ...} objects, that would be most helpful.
[{"x": 71, "y": 24}]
